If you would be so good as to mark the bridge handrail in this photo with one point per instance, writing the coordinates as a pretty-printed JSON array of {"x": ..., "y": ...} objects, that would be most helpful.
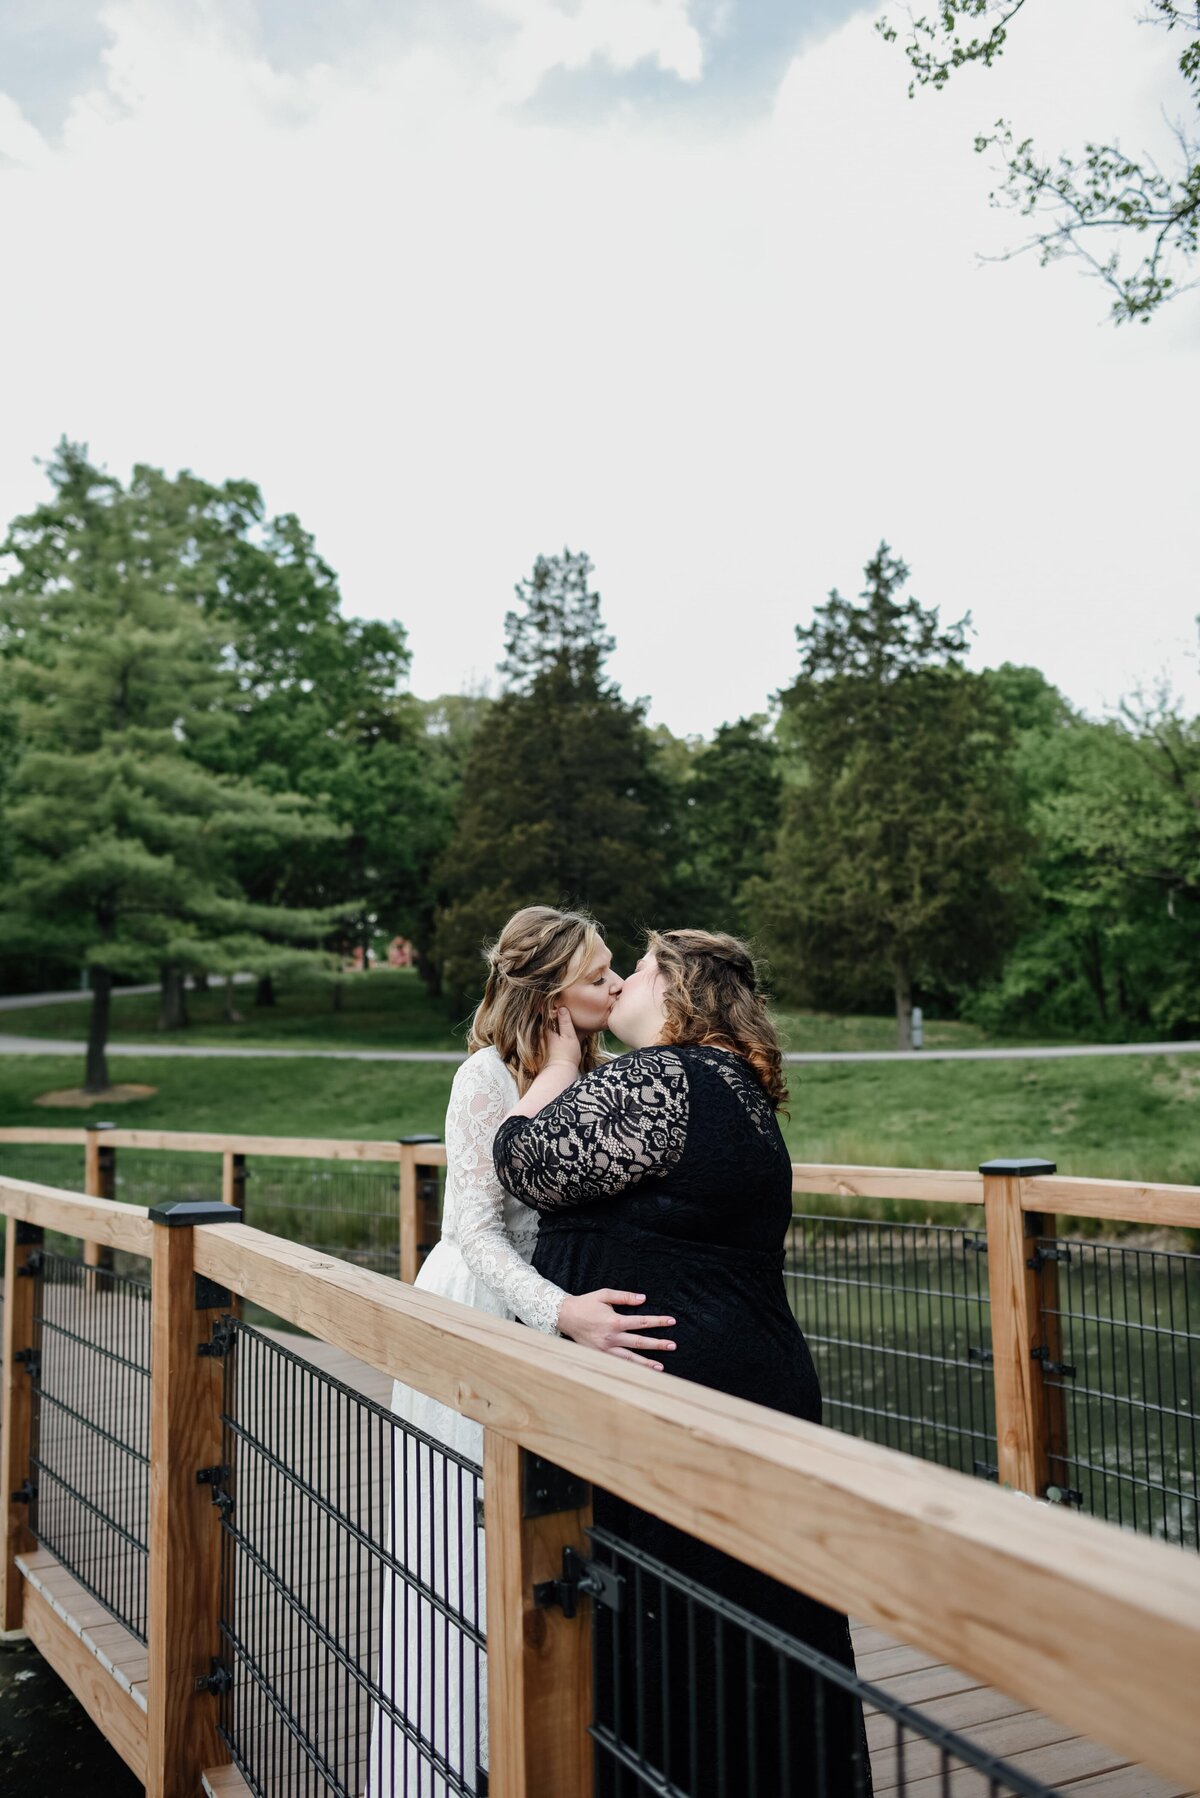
[{"x": 1147, "y": 1202}]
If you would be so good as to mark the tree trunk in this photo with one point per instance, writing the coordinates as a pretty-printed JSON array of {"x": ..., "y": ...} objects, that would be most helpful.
[
  {"x": 902, "y": 982},
  {"x": 232, "y": 1015},
  {"x": 339, "y": 995},
  {"x": 172, "y": 999},
  {"x": 265, "y": 994},
  {"x": 96, "y": 1077},
  {"x": 199, "y": 983}
]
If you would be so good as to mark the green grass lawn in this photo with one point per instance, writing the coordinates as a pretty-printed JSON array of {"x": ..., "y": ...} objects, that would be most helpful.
[
  {"x": 1126, "y": 1118},
  {"x": 392, "y": 1010}
]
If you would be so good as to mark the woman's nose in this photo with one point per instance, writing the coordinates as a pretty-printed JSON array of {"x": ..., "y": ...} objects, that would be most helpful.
[{"x": 615, "y": 983}]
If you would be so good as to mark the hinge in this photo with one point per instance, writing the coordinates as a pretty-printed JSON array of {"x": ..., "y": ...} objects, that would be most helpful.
[
  {"x": 546, "y": 1488},
  {"x": 211, "y": 1476},
  {"x": 978, "y": 1243},
  {"x": 25, "y": 1494},
  {"x": 1063, "y": 1495},
  {"x": 218, "y": 1680},
  {"x": 1040, "y": 1256},
  {"x": 33, "y": 1265},
  {"x": 208, "y": 1295},
  {"x": 222, "y": 1340},
  {"x": 31, "y": 1360},
  {"x": 983, "y": 1355},
  {"x": 1062, "y": 1368},
  {"x": 579, "y": 1576}
]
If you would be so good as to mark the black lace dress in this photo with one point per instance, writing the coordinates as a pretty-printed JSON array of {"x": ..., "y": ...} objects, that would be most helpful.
[{"x": 665, "y": 1172}]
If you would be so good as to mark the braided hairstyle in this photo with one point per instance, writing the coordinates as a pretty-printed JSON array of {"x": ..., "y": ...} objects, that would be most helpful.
[
  {"x": 540, "y": 952},
  {"x": 714, "y": 996}
]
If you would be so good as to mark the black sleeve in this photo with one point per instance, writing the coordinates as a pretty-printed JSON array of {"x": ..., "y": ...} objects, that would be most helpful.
[{"x": 609, "y": 1130}]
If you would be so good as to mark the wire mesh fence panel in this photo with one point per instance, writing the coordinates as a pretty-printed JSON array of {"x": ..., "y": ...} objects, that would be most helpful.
[
  {"x": 352, "y": 1620},
  {"x": 160, "y": 1176},
  {"x": 90, "y": 1435},
  {"x": 1127, "y": 1380},
  {"x": 350, "y": 1208},
  {"x": 697, "y": 1697},
  {"x": 898, "y": 1318}
]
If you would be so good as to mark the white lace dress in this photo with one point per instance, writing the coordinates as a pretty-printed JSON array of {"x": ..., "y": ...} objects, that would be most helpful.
[{"x": 430, "y": 1673}]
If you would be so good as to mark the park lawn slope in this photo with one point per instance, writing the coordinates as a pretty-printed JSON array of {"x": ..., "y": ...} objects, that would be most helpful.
[{"x": 1116, "y": 1117}]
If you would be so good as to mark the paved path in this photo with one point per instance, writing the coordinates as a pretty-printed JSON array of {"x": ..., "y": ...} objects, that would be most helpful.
[{"x": 40, "y": 1045}]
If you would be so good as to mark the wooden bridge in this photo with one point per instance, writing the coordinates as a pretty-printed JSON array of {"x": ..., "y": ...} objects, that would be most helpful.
[{"x": 1065, "y": 1647}]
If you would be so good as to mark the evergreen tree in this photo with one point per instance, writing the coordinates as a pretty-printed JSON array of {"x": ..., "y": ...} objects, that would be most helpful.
[
  {"x": 119, "y": 842},
  {"x": 733, "y": 801},
  {"x": 562, "y": 799},
  {"x": 900, "y": 847}
]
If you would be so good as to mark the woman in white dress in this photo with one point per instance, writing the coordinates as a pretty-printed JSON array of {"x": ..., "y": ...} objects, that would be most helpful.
[{"x": 433, "y": 1675}]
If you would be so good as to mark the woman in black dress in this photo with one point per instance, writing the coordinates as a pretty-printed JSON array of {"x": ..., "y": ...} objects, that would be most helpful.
[{"x": 665, "y": 1172}]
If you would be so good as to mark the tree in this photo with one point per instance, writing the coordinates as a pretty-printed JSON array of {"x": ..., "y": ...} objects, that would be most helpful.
[
  {"x": 1111, "y": 943},
  {"x": 900, "y": 849},
  {"x": 120, "y": 843},
  {"x": 733, "y": 800},
  {"x": 562, "y": 798},
  {"x": 322, "y": 710},
  {"x": 1132, "y": 224}
]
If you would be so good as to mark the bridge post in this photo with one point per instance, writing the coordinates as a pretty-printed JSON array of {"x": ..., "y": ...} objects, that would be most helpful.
[
  {"x": 539, "y": 1658},
  {"x": 22, "y": 1242},
  {"x": 233, "y": 1180},
  {"x": 419, "y": 1228},
  {"x": 1023, "y": 1419},
  {"x": 99, "y": 1182},
  {"x": 184, "y": 1581}
]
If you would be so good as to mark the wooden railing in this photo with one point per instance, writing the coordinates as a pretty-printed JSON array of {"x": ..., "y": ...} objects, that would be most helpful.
[
  {"x": 1019, "y": 1199},
  {"x": 1095, "y": 1625}
]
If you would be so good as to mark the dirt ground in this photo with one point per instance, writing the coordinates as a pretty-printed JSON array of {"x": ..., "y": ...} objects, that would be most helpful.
[{"x": 49, "y": 1746}]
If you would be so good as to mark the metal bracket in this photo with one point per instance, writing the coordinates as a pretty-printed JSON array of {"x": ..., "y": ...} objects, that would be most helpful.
[
  {"x": 1039, "y": 1258},
  {"x": 31, "y": 1361},
  {"x": 25, "y": 1494},
  {"x": 978, "y": 1243},
  {"x": 985, "y": 1356},
  {"x": 1063, "y": 1495},
  {"x": 986, "y": 1470},
  {"x": 211, "y": 1476},
  {"x": 1062, "y": 1368},
  {"x": 218, "y": 1680},
  {"x": 579, "y": 1577},
  {"x": 32, "y": 1267},
  {"x": 210, "y": 1296},
  {"x": 546, "y": 1488},
  {"x": 223, "y": 1337}
]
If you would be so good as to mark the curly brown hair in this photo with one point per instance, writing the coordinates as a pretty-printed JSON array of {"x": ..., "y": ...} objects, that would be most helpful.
[{"x": 714, "y": 995}]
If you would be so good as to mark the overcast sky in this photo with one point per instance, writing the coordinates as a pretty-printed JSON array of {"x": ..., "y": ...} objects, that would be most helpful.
[{"x": 689, "y": 284}]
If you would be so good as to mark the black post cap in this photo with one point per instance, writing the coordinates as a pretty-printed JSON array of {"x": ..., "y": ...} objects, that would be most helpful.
[
  {"x": 1022, "y": 1167},
  {"x": 195, "y": 1211}
]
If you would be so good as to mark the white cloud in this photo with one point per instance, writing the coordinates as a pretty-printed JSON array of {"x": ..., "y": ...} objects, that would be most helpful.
[{"x": 452, "y": 339}]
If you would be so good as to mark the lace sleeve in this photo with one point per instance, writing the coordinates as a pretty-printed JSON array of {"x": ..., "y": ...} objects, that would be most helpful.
[
  {"x": 611, "y": 1129},
  {"x": 477, "y": 1103}
]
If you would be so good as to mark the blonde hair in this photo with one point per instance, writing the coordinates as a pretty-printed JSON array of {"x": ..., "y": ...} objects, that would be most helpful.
[
  {"x": 713, "y": 996},
  {"x": 537, "y": 955}
]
